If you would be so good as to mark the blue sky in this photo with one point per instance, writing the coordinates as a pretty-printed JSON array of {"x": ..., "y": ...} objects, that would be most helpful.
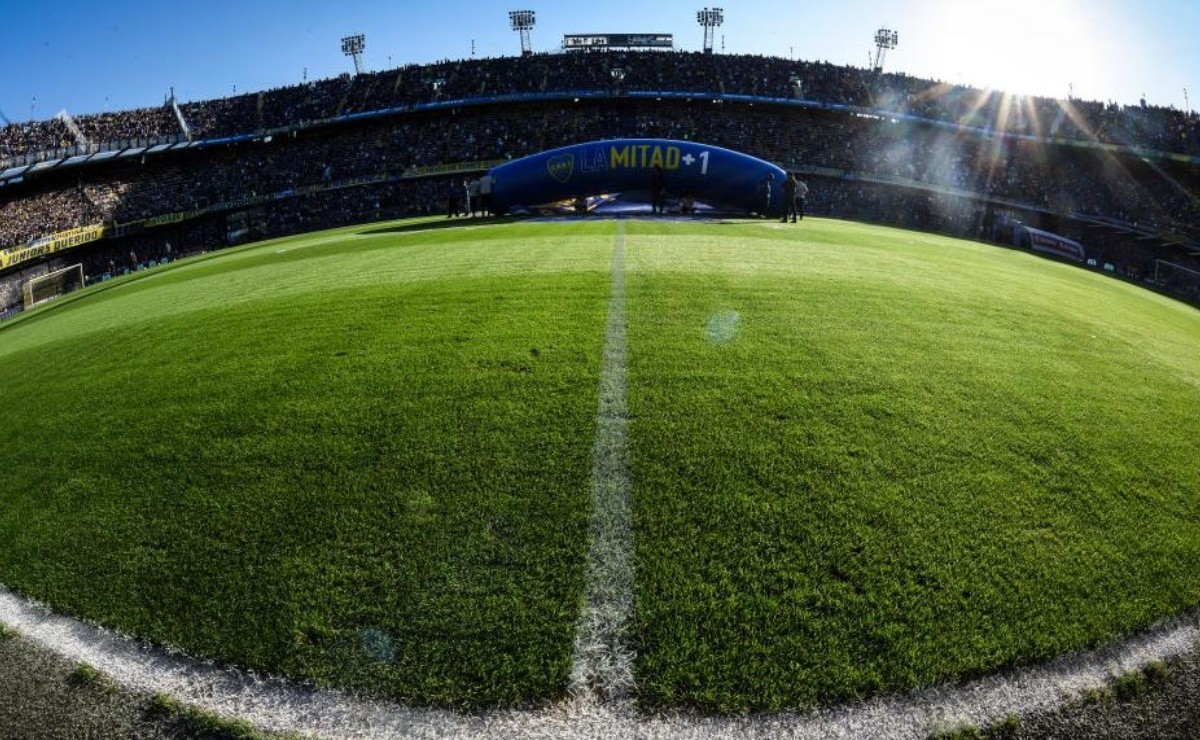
[{"x": 87, "y": 56}]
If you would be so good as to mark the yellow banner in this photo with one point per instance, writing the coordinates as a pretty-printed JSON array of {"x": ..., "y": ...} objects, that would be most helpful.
[
  {"x": 56, "y": 243},
  {"x": 170, "y": 218},
  {"x": 452, "y": 169}
]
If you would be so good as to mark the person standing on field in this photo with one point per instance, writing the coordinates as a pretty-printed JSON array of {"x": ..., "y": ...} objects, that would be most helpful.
[
  {"x": 658, "y": 190},
  {"x": 485, "y": 193},
  {"x": 452, "y": 196},
  {"x": 764, "y": 195},
  {"x": 789, "y": 198},
  {"x": 801, "y": 197},
  {"x": 473, "y": 198}
]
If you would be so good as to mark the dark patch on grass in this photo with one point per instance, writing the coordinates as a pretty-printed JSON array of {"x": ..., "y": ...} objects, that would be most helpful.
[
  {"x": 184, "y": 720},
  {"x": 1134, "y": 684},
  {"x": 209, "y": 725},
  {"x": 1157, "y": 673},
  {"x": 86, "y": 674},
  {"x": 1097, "y": 695},
  {"x": 1129, "y": 686},
  {"x": 44, "y": 696},
  {"x": 1007, "y": 729},
  {"x": 967, "y": 732},
  {"x": 164, "y": 705},
  {"x": 442, "y": 224}
]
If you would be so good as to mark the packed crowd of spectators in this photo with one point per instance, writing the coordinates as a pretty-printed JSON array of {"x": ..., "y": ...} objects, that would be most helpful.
[
  {"x": 33, "y": 136},
  {"x": 1056, "y": 178},
  {"x": 141, "y": 124},
  {"x": 99, "y": 131},
  {"x": 615, "y": 73},
  {"x": 49, "y": 212}
]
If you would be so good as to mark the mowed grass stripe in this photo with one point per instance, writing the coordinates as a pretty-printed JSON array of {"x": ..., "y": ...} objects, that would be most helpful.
[
  {"x": 603, "y": 663},
  {"x": 379, "y": 487},
  {"x": 867, "y": 466}
]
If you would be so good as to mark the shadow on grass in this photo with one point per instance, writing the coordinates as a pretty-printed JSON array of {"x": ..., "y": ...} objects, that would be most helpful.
[{"x": 445, "y": 223}]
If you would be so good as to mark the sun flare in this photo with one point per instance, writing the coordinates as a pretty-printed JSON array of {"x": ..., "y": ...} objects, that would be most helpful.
[{"x": 1028, "y": 47}]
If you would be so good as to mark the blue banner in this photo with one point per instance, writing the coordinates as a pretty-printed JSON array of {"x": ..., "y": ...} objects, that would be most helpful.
[{"x": 710, "y": 174}]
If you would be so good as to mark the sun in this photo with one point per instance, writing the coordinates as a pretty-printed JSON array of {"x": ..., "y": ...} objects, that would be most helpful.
[{"x": 1025, "y": 47}]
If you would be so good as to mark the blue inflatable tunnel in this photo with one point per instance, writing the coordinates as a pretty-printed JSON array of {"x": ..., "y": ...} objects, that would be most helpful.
[{"x": 711, "y": 174}]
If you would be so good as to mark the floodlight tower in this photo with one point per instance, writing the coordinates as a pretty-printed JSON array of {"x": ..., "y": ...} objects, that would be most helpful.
[
  {"x": 523, "y": 21},
  {"x": 352, "y": 46},
  {"x": 710, "y": 18},
  {"x": 884, "y": 40}
]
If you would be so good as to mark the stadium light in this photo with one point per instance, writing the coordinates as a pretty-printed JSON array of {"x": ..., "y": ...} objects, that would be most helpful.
[
  {"x": 523, "y": 21},
  {"x": 352, "y": 46},
  {"x": 710, "y": 18},
  {"x": 884, "y": 40}
]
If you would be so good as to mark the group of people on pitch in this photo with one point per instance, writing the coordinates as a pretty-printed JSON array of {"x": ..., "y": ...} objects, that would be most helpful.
[
  {"x": 795, "y": 195},
  {"x": 469, "y": 197}
]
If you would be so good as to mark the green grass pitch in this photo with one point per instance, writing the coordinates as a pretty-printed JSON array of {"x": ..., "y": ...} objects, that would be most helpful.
[{"x": 863, "y": 460}]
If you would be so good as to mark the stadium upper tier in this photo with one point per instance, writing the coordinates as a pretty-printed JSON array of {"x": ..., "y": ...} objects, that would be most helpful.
[{"x": 1153, "y": 128}]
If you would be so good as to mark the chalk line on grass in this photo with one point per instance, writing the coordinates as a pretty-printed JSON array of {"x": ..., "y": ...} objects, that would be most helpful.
[
  {"x": 602, "y": 663},
  {"x": 280, "y": 705}
]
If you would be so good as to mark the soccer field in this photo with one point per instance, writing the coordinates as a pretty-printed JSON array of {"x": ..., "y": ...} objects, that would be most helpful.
[{"x": 861, "y": 460}]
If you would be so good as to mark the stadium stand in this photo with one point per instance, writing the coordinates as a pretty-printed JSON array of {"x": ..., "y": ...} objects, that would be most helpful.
[
  {"x": 1142, "y": 126},
  {"x": 882, "y": 148}
]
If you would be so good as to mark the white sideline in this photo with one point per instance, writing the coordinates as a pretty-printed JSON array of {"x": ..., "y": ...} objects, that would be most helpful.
[
  {"x": 602, "y": 663},
  {"x": 276, "y": 704}
]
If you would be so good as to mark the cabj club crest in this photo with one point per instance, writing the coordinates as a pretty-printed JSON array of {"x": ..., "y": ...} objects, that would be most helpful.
[{"x": 561, "y": 167}]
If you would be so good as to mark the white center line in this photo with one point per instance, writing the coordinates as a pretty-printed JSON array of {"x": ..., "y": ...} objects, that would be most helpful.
[{"x": 602, "y": 666}]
